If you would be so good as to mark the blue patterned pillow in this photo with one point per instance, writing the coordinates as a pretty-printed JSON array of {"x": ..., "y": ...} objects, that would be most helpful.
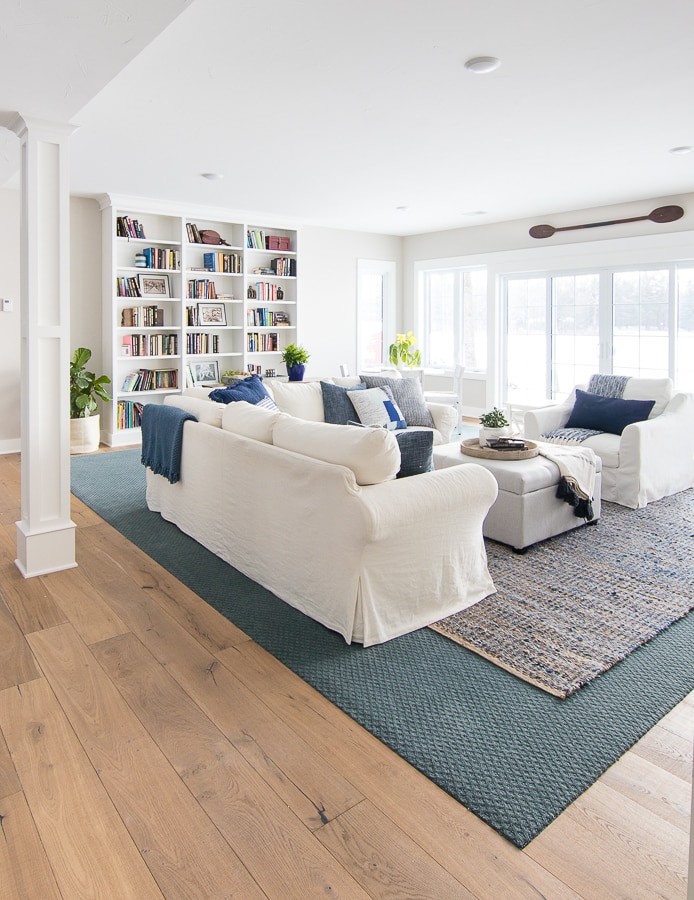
[
  {"x": 336, "y": 404},
  {"x": 250, "y": 389},
  {"x": 415, "y": 452},
  {"x": 375, "y": 406}
]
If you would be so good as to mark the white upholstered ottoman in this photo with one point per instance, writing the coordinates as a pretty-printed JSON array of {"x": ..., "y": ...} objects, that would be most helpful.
[{"x": 527, "y": 509}]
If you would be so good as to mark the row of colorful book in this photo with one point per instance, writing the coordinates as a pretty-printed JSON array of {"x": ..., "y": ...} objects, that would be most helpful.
[
  {"x": 262, "y": 343},
  {"x": 129, "y": 228},
  {"x": 201, "y": 289},
  {"x": 201, "y": 343},
  {"x": 128, "y": 415},
  {"x": 228, "y": 263},
  {"x": 162, "y": 258},
  {"x": 150, "y": 380},
  {"x": 150, "y": 345},
  {"x": 262, "y": 317},
  {"x": 142, "y": 317}
]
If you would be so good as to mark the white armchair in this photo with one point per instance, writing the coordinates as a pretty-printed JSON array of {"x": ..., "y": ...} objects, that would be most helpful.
[{"x": 650, "y": 459}]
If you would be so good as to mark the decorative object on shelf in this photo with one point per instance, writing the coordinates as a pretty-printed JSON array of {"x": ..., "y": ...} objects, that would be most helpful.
[
  {"x": 493, "y": 424},
  {"x": 140, "y": 261},
  {"x": 212, "y": 314},
  {"x": 205, "y": 372},
  {"x": 661, "y": 215},
  {"x": 400, "y": 352},
  {"x": 280, "y": 293},
  {"x": 295, "y": 358},
  {"x": 208, "y": 236},
  {"x": 251, "y": 293},
  {"x": 85, "y": 387}
]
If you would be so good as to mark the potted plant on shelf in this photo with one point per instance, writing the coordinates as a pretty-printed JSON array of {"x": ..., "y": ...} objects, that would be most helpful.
[
  {"x": 400, "y": 352},
  {"x": 295, "y": 358},
  {"x": 85, "y": 387},
  {"x": 493, "y": 424}
]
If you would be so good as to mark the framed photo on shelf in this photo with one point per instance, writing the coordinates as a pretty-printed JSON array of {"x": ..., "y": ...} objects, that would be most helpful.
[
  {"x": 205, "y": 371},
  {"x": 154, "y": 285},
  {"x": 212, "y": 314}
]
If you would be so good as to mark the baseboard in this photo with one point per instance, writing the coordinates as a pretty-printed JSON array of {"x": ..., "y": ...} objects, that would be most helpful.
[{"x": 12, "y": 446}]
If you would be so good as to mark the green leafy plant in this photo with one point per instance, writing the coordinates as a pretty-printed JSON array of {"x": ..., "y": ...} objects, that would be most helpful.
[
  {"x": 400, "y": 351},
  {"x": 85, "y": 386},
  {"x": 294, "y": 354},
  {"x": 494, "y": 419}
]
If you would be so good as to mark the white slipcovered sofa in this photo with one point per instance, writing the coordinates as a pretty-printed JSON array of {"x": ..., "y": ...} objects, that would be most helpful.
[
  {"x": 649, "y": 459},
  {"x": 313, "y": 512}
]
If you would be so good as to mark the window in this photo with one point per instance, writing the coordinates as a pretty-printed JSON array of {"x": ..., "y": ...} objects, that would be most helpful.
[
  {"x": 375, "y": 311},
  {"x": 560, "y": 328},
  {"x": 453, "y": 312}
]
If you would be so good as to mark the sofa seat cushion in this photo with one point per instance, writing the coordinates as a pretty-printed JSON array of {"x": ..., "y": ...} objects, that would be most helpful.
[
  {"x": 337, "y": 408},
  {"x": 371, "y": 453},
  {"x": 407, "y": 393},
  {"x": 250, "y": 420},
  {"x": 607, "y": 448},
  {"x": 302, "y": 399}
]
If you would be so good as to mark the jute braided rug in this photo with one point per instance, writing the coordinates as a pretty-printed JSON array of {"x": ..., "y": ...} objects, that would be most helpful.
[{"x": 571, "y": 607}]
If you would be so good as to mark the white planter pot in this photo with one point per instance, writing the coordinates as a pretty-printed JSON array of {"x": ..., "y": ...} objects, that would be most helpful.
[
  {"x": 84, "y": 434},
  {"x": 490, "y": 434}
]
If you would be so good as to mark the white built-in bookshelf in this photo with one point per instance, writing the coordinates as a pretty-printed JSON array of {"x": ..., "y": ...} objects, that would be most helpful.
[{"x": 179, "y": 312}]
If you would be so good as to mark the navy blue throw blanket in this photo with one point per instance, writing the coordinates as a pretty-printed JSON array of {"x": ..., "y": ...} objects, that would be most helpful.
[{"x": 162, "y": 439}]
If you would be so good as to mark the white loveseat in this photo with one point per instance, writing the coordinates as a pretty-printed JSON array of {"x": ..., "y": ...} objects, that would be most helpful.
[
  {"x": 650, "y": 459},
  {"x": 313, "y": 512}
]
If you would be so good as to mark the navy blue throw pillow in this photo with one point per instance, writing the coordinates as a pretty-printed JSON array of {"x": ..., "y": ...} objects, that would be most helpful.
[
  {"x": 607, "y": 413},
  {"x": 415, "y": 452},
  {"x": 336, "y": 404},
  {"x": 250, "y": 389}
]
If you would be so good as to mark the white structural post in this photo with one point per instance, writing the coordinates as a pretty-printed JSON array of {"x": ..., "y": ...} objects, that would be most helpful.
[{"x": 45, "y": 534}]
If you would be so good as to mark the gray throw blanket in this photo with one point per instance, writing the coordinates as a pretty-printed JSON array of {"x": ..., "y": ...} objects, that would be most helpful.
[
  {"x": 162, "y": 439},
  {"x": 604, "y": 386}
]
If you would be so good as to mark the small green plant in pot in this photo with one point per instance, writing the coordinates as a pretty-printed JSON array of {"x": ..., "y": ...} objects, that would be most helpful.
[
  {"x": 295, "y": 358},
  {"x": 85, "y": 387},
  {"x": 493, "y": 424},
  {"x": 400, "y": 352}
]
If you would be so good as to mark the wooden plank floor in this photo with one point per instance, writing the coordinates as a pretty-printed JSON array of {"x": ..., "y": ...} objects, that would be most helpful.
[{"x": 149, "y": 748}]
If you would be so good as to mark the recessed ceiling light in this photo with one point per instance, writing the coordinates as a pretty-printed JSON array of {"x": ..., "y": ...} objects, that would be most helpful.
[
  {"x": 475, "y": 212},
  {"x": 402, "y": 208},
  {"x": 480, "y": 65},
  {"x": 681, "y": 150},
  {"x": 212, "y": 176}
]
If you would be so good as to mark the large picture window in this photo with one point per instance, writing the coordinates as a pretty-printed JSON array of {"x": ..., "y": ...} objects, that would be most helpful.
[
  {"x": 562, "y": 327},
  {"x": 452, "y": 305},
  {"x": 375, "y": 311}
]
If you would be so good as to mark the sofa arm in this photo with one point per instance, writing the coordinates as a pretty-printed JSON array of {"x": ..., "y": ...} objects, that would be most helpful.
[
  {"x": 445, "y": 419},
  {"x": 656, "y": 457},
  {"x": 538, "y": 421}
]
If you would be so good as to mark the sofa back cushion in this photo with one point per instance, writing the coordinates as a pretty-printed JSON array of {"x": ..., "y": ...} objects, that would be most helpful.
[
  {"x": 658, "y": 389},
  {"x": 203, "y": 410},
  {"x": 371, "y": 453},
  {"x": 249, "y": 420},
  {"x": 303, "y": 399}
]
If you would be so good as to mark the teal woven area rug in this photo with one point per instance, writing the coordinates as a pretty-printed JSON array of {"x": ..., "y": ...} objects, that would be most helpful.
[{"x": 514, "y": 755}]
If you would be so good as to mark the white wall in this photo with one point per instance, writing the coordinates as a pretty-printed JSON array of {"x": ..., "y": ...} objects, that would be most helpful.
[
  {"x": 327, "y": 267},
  {"x": 10, "y": 329}
]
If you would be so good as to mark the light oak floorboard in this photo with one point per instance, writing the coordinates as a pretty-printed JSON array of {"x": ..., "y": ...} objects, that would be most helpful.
[{"x": 167, "y": 682}]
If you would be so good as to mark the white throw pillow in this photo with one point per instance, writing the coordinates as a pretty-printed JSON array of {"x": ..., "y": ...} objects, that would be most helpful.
[
  {"x": 303, "y": 399},
  {"x": 372, "y": 454},
  {"x": 250, "y": 420}
]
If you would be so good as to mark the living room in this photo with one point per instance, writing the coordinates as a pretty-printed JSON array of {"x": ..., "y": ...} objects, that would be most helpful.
[{"x": 330, "y": 250}]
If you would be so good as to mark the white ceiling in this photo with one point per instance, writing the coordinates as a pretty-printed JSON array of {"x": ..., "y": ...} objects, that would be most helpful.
[{"x": 335, "y": 113}]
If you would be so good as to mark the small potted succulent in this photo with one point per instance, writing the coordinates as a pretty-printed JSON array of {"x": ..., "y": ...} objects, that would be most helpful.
[
  {"x": 295, "y": 358},
  {"x": 493, "y": 424}
]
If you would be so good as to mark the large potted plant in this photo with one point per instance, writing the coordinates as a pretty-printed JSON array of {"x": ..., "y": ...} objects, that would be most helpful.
[
  {"x": 295, "y": 358},
  {"x": 85, "y": 387}
]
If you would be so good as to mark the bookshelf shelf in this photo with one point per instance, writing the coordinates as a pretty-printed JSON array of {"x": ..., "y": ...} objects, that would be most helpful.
[{"x": 199, "y": 302}]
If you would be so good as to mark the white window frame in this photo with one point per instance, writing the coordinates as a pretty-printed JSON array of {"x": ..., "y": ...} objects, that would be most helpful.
[{"x": 387, "y": 271}]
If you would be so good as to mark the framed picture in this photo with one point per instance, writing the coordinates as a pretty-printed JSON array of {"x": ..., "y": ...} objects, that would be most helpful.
[
  {"x": 205, "y": 371},
  {"x": 154, "y": 286},
  {"x": 212, "y": 314}
]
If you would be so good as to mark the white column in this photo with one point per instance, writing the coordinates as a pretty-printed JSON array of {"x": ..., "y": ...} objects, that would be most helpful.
[{"x": 45, "y": 534}]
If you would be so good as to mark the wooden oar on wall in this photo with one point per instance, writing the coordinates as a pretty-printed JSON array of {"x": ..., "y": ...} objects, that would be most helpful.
[{"x": 660, "y": 215}]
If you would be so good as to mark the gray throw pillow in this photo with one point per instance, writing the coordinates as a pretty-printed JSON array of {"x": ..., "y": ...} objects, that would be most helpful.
[
  {"x": 407, "y": 393},
  {"x": 337, "y": 407}
]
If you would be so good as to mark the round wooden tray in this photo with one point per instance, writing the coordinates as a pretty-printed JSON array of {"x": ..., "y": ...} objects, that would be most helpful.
[{"x": 472, "y": 447}]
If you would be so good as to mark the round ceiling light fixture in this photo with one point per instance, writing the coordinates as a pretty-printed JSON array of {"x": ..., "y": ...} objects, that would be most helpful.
[
  {"x": 481, "y": 65},
  {"x": 685, "y": 148},
  {"x": 212, "y": 176}
]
